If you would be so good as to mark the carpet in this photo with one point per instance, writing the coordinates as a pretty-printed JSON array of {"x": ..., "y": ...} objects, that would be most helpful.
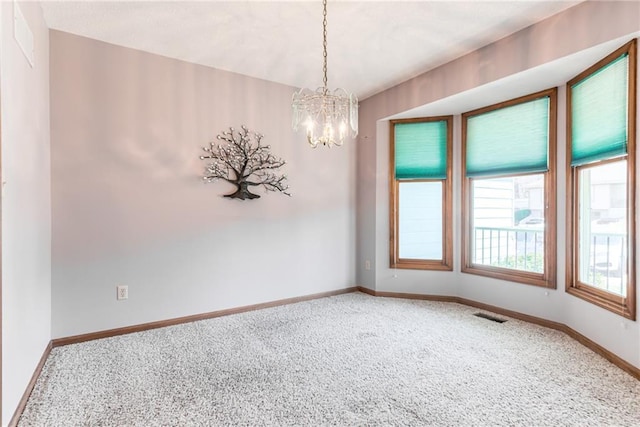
[{"x": 351, "y": 359}]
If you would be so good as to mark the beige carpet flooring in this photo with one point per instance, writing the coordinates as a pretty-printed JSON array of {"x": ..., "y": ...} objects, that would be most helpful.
[{"x": 347, "y": 360}]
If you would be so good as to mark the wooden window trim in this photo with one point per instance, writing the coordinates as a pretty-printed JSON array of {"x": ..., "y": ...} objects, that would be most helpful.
[
  {"x": 548, "y": 278},
  {"x": 446, "y": 263},
  {"x": 623, "y": 306}
]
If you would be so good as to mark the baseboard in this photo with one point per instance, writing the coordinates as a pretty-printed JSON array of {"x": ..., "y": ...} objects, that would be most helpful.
[
  {"x": 613, "y": 358},
  {"x": 193, "y": 318},
  {"x": 595, "y": 347},
  {"x": 513, "y": 314},
  {"x": 32, "y": 383},
  {"x": 441, "y": 298}
]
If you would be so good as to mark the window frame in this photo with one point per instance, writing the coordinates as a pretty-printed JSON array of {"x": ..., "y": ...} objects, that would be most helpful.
[
  {"x": 623, "y": 306},
  {"x": 546, "y": 279},
  {"x": 446, "y": 263}
]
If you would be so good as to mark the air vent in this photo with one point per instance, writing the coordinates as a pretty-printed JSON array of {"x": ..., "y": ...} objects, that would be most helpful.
[{"x": 490, "y": 317}]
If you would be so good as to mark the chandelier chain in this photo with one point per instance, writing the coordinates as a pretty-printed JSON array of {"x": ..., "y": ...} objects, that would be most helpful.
[{"x": 324, "y": 45}]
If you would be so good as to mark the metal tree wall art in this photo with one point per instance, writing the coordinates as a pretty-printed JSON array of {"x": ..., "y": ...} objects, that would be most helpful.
[{"x": 245, "y": 163}]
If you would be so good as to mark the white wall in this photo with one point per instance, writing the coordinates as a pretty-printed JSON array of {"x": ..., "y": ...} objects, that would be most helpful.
[
  {"x": 26, "y": 205},
  {"x": 544, "y": 55},
  {"x": 130, "y": 207}
]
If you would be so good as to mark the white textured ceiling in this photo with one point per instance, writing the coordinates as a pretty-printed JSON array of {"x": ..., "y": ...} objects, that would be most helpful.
[{"x": 372, "y": 45}]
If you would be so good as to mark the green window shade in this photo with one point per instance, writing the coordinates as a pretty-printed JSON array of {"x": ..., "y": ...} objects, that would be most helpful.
[
  {"x": 421, "y": 150},
  {"x": 509, "y": 140},
  {"x": 599, "y": 114}
]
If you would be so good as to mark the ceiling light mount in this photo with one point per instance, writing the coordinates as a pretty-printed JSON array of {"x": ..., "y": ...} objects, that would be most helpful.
[{"x": 328, "y": 117}]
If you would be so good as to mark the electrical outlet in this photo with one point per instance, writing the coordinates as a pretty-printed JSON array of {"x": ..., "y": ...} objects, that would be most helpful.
[
  {"x": 122, "y": 292},
  {"x": 367, "y": 265}
]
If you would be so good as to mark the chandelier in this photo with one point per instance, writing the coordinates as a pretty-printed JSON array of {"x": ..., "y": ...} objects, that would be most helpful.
[{"x": 328, "y": 117}]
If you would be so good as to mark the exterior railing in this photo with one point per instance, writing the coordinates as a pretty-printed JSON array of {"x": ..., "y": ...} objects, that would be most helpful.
[
  {"x": 510, "y": 247},
  {"x": 607, "y": 262},
  {"x": 520, "y": 248}
]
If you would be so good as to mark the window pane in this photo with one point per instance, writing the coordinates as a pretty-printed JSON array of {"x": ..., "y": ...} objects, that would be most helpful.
[
  {"x": 420, "y": 220},
  {"x": 509, "y": 140},
  {"x": 421, "y": 150},
  {"x": 599, "y": 110},
  {"x": 508, "y": 222},
  {"x": 602, "y": 209}
]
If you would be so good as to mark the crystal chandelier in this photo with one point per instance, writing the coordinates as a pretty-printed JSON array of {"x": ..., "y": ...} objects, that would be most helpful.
[{"x": 328, "y": 117}]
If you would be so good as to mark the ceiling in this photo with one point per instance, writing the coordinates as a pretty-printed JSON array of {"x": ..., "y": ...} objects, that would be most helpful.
[{"x": 372, "y": 45}]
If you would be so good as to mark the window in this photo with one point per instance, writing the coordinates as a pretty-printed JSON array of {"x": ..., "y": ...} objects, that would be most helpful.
[
  {"x": 508, "y": 190},
  {"x": 420, "y": 214},
  {"x": 601, "y": 183}
]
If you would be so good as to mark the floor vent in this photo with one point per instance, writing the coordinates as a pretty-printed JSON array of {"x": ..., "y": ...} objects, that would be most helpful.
[{"x": 490, "y": 317}]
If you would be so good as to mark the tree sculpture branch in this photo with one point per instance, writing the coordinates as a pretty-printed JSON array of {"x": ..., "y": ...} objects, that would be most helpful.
[{"x": 244, "y": 163}]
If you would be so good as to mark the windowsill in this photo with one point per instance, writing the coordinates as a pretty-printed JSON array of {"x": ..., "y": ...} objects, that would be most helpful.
[
  {"x": 422, "y": 265},
  {"x": 533, "y": 279},
  {"x": 616, "y": 304}
]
